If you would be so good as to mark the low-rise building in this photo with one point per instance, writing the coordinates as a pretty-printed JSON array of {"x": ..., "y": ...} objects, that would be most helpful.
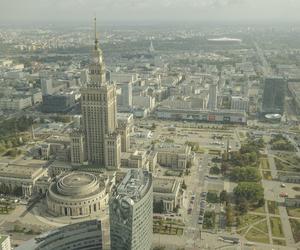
[
  {"x": 20, "y": 177},
  {"x": 173, "y": 155},
  {"x": 167, "y": 191},
  {"x": 78, "y": 194},
  {"x": 83, "y": 235}
]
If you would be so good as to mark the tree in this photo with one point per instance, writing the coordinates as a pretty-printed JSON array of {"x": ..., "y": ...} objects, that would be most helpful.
[
  {"x": 243, "y": 206},
  {"x": 153, "y": 127},
  {"x": 184, "y": 186},
  {"x": 214, "y": 170},
  {"x": 224, "y": 168},
  {"x": 250, "y": 191},
  {"x": 229, "y": 215},
  {"x": 245, "y": 174},
  {"x": 158, "y": 207},
  {"x": 224, "y": 196},
  {"x": 212, "y": 197}
]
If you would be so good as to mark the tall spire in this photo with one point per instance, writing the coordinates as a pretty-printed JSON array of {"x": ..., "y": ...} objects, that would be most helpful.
[{"x": 96, "y": 39}]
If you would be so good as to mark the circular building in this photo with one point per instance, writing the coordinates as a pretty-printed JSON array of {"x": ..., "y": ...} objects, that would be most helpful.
[{"x": 77, "y": 194}]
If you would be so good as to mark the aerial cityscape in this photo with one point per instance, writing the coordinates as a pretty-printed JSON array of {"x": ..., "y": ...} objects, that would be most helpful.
[{"x": 149, "y": 125}]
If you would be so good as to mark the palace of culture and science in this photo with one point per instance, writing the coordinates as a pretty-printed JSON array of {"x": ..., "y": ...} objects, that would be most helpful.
[{"x": 99, "y": 142}]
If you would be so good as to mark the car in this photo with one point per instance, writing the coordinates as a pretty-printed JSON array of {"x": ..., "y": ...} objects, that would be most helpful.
[
  {"x": 283, "y": 194},
  {"x": 283, "y": 185},
  {"x": 200, "y": 222}
]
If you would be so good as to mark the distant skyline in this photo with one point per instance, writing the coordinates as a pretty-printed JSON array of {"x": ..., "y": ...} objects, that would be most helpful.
[{"x": 41, "y": 11}]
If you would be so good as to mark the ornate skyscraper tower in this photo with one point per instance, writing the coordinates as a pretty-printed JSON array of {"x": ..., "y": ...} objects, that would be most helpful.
[{"x": 99, "y": 115}]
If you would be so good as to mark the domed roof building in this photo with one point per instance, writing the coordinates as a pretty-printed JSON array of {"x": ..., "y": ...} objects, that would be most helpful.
[{"x": 78, "y": 194}]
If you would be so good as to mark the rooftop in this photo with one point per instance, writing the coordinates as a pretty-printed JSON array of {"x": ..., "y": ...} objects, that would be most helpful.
[
  {"x": 135, "y": 184},
  {"x": 163, "y": 185},
  {"x": 22, "y": 169}
]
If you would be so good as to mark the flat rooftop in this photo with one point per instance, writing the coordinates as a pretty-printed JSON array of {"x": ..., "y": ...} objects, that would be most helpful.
[
  {"x": 178, "y": 148},
  {"x": 163, "y": 185},
  {"x": 135, "y": 184},
  {"x": 22, "y": 169}
]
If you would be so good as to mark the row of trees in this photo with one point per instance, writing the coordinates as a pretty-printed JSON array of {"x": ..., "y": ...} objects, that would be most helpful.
[
  {"x": 14, "y": 125},
  {"x": 242, "y": 167},
  {"x": 279, "y": 142}
]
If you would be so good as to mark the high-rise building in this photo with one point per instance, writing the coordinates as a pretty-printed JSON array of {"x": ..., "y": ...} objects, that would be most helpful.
[
  {"x": 99, "y": 112},
  {"x": 239, "y": 103},
  {"x": 274, "y": 96},
  {"x": 127, "y": 94},
  {"x": 131, "y": 212},
  {"x": 212, "y": 97}
]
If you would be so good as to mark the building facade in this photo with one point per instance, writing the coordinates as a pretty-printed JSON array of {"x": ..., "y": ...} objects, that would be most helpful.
[
  {"x": 167, "y": 191},
  {"x": 131, "y": 211},
  {"x": 212, "y": 97},
  {"x": 173, "y": 155},
  {"x": 77, "y": 194},
  {"x": 77, "y": 148},
  {"x": 99, "y": 112},
  {"x": 274, "y": 96},
  {"x": 82, "y": 235}
]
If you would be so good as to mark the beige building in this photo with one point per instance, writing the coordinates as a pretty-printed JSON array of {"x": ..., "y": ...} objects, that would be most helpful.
[
  {"x": 167, "y": 191},
  {"x": 112, "y": 146},
  {"x": 136, "y": 159},
  {"x": 77, "y": 148},
  {"x": 21, "y": 177},
  {"x": 99, "y": 113},
  {"x": 124, "y": 131},
  {"x": 173, "y": 155},
  {"x": 58, "y": 167},
  {"x": 78, "y": 194}
]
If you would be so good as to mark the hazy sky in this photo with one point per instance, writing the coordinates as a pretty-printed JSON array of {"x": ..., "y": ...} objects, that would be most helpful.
[{"x": 12, "y": 11}]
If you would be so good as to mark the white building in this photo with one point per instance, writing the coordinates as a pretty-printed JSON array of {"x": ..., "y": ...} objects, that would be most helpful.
[
  {"x": 239, "y": 103},
  {"x": 131, "y": 212},
  {"x": 147, "y": 102},
  {"x": 212, "y": 99}
]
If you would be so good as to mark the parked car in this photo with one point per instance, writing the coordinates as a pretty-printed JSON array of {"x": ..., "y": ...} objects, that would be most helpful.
[{"x": 283, "y": 194}]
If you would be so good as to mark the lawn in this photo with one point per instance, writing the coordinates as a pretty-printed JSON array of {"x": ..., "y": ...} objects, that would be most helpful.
[
  {"x": 264, "y": 163},
  {"x": 276, "y": 227},
  {"x": 170, "y": 227},
  {"x": 257, "y": 236},
  {"x": 279, "y": 242},
  {"x": 258, "y": 209},
  {"x": 262, "y": 226},
  {"x": 273, "y": 207},
  {"x": 267, "y": 175},
  {"x": 294, "y": 212},
  {"x": 248, "y": 220},
  {"x": 295, "y": 224},
  {"x": 284, "y": 166}
]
